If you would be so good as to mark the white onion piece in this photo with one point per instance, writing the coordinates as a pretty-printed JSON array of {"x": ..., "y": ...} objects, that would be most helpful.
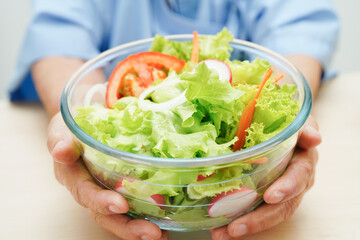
[
  {"x": 147, "y": 105},
  {"x": 97, "y": 88}
]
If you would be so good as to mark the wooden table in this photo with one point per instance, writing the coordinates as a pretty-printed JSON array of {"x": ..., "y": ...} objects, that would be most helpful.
[{"x": 34, "y": 206}]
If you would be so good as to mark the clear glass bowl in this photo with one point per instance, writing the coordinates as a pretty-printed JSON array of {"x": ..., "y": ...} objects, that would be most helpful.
[{"x": 113, "y": 168}]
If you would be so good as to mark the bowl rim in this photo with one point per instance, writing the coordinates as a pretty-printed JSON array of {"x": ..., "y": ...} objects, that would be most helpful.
[{"x": 256, "y": 150}]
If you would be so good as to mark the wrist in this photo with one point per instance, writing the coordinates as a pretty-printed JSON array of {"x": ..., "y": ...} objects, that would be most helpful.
[{"x": 311, "y": 68}]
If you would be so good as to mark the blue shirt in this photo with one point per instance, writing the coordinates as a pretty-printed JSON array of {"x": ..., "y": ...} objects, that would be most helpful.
[{"x": 84, "y": 28}]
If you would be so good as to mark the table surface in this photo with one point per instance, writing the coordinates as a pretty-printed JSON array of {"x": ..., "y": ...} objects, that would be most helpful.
[{"x": 33, "y": 205}]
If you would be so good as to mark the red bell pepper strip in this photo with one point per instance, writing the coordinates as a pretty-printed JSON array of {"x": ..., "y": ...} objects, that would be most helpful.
[
  {"x": 195, "y": 51},
  {"x": 248, "y": 114},
  {"x": 140, "y": 63},
  {"x": 277, "y": 78},
  {"x": 259, "y": 160}
]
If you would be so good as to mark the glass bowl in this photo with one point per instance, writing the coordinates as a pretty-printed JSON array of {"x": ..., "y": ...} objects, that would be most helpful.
[{"x": 114, "y": 169}]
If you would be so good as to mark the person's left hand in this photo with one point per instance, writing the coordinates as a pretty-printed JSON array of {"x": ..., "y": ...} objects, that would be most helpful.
[
  {"x": 106, "y": 207},
  {"x": 284, "y": 196}
]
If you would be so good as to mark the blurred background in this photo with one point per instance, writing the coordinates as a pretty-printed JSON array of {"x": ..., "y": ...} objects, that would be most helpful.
[{"x": 16, "y": 14}]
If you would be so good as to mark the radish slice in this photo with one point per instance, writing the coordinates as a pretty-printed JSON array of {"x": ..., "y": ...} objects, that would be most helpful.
[
  {"x": 147, "y": 105},
  {"x": 201, "y": 177},
  {"x": 232, "y": 203},
  {"x": 157, "y": 199},
  {"x": 222, "y": 68},
  {"x": 97, "y": 88},
  {"x": 121, "y": 189}
]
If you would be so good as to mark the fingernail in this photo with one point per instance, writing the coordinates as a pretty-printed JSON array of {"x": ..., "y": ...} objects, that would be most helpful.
[
  {"x": 56, "y": 149},
  {"x": 240, "y": 230},
  {"x": 309, "y": 130},
  {"x": 114, "y": 209},
  {"x": 146, "y": 237},
  {"x": 277, "y": 197}
]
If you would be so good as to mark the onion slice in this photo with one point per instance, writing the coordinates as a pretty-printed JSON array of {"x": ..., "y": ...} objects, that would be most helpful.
[
  {"x": 97, "y": 88},
  {"x": 147, "y": 105}
]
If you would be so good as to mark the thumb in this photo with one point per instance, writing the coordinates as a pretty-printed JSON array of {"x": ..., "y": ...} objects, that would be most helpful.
[
  {"x": 60, "y": 141},
  {"x": 309, "y": 135}
]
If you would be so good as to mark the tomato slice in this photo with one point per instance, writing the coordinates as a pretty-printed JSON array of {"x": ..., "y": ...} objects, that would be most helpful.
[
  {"x": 142, "y": 69},
  {"x": 141, "y": 63}
]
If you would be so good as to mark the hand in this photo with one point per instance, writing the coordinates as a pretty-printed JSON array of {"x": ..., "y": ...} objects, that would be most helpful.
[
  {"x": 105, "y": 206},
  {"x": 284, "y": 196}
]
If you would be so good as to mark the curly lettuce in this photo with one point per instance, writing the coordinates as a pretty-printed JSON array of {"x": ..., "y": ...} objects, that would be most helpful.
[{"x": 214, "y": 46}]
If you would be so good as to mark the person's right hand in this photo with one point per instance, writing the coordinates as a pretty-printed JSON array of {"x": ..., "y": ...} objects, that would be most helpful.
[{"x": 106, "y": 207}]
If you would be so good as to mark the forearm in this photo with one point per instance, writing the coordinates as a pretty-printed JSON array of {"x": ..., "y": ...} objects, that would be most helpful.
[
  {"x": 311, "y": 68},
  {"x": 50, "y": 76}
]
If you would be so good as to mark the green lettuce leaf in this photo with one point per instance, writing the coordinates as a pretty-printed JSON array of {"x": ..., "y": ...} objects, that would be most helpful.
[
  {"x": 173, "y": 87},
  {"x": 125, "y": 130},
  {"x": 275, "y": 110},
  {"x": 210, "y": 47},
  {"x": 215, "y": 46},
  {"x": 218, "y": 100},
  {"x": 245, "y": 72},
  {"x": 276, "y": 106},
  {"x": 181, "y": 50},
  {"x": 143, "y": 208},
  {"x": 223, "y": 180}
]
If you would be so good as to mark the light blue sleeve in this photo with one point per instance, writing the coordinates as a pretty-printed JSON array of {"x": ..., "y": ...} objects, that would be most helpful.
[
  {"x": 58, "y": 27},
  {"x": 295, "y": 27}
]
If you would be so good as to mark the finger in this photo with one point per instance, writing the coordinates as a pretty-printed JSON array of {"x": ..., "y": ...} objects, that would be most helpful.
[
  {"x": 130, "y": 229},
  {"x": 220, "y": 234},
  {"x": 309, "y": 136},
  {"x": 164, "y": 234},
  {"x": 262, "y": 218},
  {"x": 79, "y": 182},
  {"x": 60, "y": 141},
  {"x": 298, "y": 177}
]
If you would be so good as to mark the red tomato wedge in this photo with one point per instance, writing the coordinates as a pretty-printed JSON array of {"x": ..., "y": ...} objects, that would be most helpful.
[{"x": 140, "y": 63}]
